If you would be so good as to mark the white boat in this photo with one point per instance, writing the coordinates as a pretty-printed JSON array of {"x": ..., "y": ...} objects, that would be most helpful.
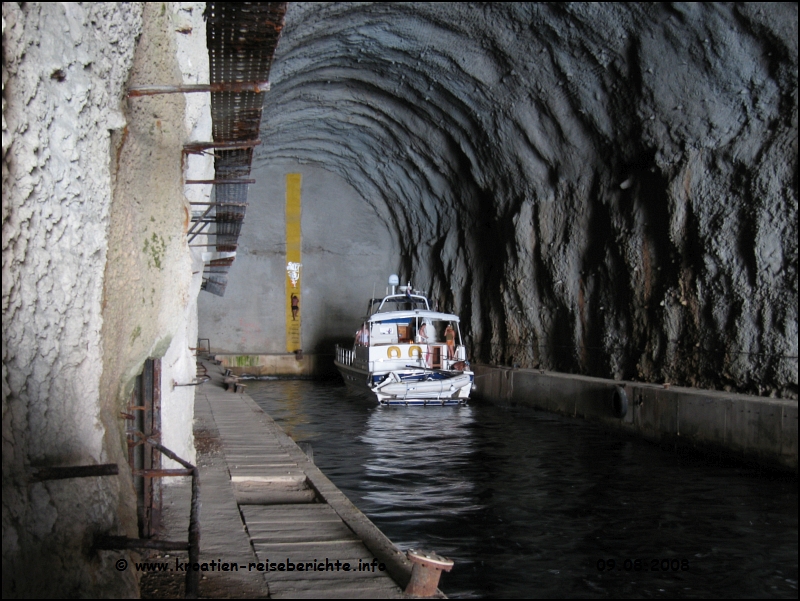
[{"x": 405, "y": 353}]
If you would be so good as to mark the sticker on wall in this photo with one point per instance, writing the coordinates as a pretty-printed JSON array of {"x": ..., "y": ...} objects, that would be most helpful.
[{"x": 294, "y": 265}]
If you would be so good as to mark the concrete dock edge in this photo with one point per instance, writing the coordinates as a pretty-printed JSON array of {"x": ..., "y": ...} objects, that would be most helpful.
[{"x": 750, "y": 428}]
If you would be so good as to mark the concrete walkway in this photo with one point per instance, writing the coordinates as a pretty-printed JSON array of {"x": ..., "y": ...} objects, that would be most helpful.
[{"x": 264, "y": 505}]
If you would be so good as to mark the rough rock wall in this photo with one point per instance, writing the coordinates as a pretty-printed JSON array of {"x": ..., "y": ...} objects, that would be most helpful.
[
  {"x": 97, "y": 275},
  {"x": 64, "y": 67},
  {"x": 608, "y": 189}
]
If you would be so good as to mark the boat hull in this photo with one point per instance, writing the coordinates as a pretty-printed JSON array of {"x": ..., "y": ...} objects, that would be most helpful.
[{"x": 409, "y": 387}]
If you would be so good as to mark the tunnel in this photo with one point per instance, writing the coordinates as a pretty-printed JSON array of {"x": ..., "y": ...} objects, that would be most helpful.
[
  {"x": 600, "y": 190},
  {"x": 608, "y": 190}
]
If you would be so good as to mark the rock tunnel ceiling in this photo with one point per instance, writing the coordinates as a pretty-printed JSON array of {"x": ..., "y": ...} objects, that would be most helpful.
[{"x": 608, "y": 189}]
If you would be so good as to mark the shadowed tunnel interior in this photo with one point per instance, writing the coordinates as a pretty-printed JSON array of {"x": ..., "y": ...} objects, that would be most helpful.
[{"x": 602, "y": 189}]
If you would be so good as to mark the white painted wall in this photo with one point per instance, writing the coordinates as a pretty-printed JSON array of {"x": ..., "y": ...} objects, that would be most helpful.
[
  {"x": 347, "y": 252},
  {"x": 179, "y": 363}
]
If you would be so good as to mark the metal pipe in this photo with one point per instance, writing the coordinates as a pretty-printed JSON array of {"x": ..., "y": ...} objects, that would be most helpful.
[
  {"x": 202, "y": 380},
  {"x": 162, "y": 473},
  {"x": 79, "y": 471},
  {"x": 191, "y": 229},
  {"x": 192, "y": 233},
  {"x": 210, "y": 244},
  {"x": 220, "y": 181},
  {"x": 192, "y": 576},
  {"x": 112, "y": 543},
  {"x": 222, "y": 145}
]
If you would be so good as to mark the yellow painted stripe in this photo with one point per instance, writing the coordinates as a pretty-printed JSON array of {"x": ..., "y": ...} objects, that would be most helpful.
[{"x": 294, "y": 262}]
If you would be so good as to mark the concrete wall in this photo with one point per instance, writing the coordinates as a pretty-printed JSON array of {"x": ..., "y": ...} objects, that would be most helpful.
[
  {"x": 749, "y": 427},
  {"x": 347, "y": 250},
  {"x": 279, "y": 365},
  {"x": 178, "y": 365}
]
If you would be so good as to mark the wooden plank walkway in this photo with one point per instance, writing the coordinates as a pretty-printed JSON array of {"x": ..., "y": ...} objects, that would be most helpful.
[{"x": 264, "y": 502}]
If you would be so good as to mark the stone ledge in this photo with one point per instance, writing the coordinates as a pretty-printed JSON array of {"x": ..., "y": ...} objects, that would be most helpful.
[{"x": 742, "y": 426}]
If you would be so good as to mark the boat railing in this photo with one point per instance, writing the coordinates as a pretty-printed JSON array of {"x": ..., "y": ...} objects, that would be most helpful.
[
  {"x": 432, "y": 355},
  {"x": 344, "y": 355}
]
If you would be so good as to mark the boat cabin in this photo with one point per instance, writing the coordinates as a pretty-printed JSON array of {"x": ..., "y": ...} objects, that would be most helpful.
[{"x": 400, "y": 339}]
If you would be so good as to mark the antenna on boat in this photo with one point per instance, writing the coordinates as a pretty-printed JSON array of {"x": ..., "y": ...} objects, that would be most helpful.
[{"x": 393, "y": 282}]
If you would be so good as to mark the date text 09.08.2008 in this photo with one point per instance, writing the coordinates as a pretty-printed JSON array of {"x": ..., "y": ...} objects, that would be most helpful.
[{"x": 643, "y": 565}]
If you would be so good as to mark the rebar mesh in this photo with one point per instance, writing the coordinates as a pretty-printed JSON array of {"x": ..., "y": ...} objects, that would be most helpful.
[
  {"x": 231, "y": 211},
  {"x": 241, "y": 39}
]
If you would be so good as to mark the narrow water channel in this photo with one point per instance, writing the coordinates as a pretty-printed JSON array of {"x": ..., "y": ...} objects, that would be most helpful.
[{"x": 529, "y": 504}]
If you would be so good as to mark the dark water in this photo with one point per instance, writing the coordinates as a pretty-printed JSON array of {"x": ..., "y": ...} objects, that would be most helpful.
[{"x": 528, "y": 503}]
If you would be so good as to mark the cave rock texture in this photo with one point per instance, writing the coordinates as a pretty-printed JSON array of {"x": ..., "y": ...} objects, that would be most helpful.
[{"x": 607, "y": 189}]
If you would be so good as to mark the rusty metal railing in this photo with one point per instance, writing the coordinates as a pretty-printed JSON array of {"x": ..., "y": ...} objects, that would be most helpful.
[{"x": 193, "y": 544}]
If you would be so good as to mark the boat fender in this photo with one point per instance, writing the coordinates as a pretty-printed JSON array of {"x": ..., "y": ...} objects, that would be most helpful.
[
  {"x": 414, "y": 348},
  {"x": 390, "y": 352},
  {"x": 619, "y": 402}
]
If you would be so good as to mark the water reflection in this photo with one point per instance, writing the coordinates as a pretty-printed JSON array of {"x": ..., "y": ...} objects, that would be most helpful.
[
  {"x": 405, "y": 442},
  {"x": 527, "y": 503}
]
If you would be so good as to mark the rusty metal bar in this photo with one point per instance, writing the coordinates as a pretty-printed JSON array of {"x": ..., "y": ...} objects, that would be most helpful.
[
  {"x": 156, "y": 492},
  {"x": 113, "y": 543},
  {"x": 223, "y": 145},
  {"x": 209, "y": 244},
  {"x": 148, "y": 459},
  {"x": 41, "y": 474},
  {"x": 198, "y": 228},
  {"x": 162, "y": 473},
  {"x": 232, "y": 86},
  {"x": 220, "y": 181},
  {"x": 195, "y": 222},
  {"x": 202, "y": 380},
  {"x": 192, "y": 577}
]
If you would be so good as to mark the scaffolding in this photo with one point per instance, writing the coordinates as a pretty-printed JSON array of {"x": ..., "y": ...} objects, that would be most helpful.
[{"x": 241, "y": 39}]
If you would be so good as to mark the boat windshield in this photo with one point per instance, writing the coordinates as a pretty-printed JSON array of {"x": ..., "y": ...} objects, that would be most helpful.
[
  {"x": 399, "y": 302},
  {"x": 413, "y": 329}
]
